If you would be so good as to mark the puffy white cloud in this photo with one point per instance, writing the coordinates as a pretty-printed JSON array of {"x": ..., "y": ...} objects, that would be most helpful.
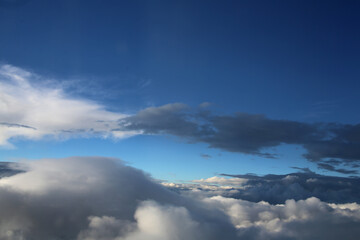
[
  {"x": 303, "y": 219},
  {"x": 33, "y": 111},
  {"x": 99, "y": 198},
  {"x": 153, "y": 222}
]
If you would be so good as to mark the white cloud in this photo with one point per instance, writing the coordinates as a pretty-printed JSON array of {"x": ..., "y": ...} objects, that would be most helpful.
[
  {"x": 207, "y": 187},
  {"x": 222, "y": 181},
  {"x": 153, "y": 222},
  {"x": 34, "y": 111},
  {"x": 165, "y": 222},
  {"x": 303, "y": 219}
]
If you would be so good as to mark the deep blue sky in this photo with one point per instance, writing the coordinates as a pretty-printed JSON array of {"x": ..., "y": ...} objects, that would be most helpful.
[{"x": 293, "y": 60}]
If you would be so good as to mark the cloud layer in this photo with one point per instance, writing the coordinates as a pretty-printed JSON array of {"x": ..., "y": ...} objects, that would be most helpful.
[
  {"x": 275, "y": 189},
  {"x": 303, "y": 219},
  {"x": 94, "y": 198}
]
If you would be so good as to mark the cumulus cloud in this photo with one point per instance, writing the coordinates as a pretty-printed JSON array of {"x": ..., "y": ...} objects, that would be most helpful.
[
  {"x": 99, "y": 198},
  {"x": 32, "y": 111},
  {"x": 153, "y": 222},
  {"x": 95, "y": 198},
  {"x": 303, "y": 219},
  {"x": 246, "y": 133}
]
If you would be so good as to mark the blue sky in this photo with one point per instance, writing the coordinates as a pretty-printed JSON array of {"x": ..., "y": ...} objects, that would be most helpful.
[{"x": 288, "y": 60}]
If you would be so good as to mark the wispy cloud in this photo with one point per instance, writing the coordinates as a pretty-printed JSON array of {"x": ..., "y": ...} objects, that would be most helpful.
[
  {"x": 206, "y": 156},
  {"x": 32, "y": 111}
]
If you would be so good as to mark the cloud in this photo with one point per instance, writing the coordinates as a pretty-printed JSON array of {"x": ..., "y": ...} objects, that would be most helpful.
[
  {"x": 7, "y": 169},
  {"x": 205, "y": 105},
  {"x": 206, "y": 156},
  {"x": 153, "y": 222},
  {"x": 222, "y": 181},
  {"x": 330, "y": 167},
  {"x": 253, "y": 134},
  {"x": 278, "y": 188},
  {"x": 168, "y": 119},
  {"x": 275, "y": 189},
  {"x": 303, "y": 219},
  {"x": 99, "y": 198},
  {"x": 32, "y": 111},
  {"x": 250, "y": 133},
  {"x": 96, "y": 198}
]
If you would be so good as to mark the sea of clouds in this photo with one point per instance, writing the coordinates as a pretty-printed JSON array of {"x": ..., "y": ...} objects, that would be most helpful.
[{"x": 97, "y": 198}]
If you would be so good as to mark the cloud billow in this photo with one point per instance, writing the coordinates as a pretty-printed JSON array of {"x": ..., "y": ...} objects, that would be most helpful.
[{"x": 99, "y": 198}]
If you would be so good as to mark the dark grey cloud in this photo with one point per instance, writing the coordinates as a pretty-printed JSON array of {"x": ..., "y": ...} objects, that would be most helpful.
[
  {"x": 330, "y": 167},
  {"x": 16, "y": 125},
  {"x": 278, "y": 188},
  {"x": 249, "y": 133},
  {"x": 7, "y": 169},
  {"x": 304, "y": 219},
  {"x": 169, "y": 119},
  {"x": 334, "y": 147}
]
